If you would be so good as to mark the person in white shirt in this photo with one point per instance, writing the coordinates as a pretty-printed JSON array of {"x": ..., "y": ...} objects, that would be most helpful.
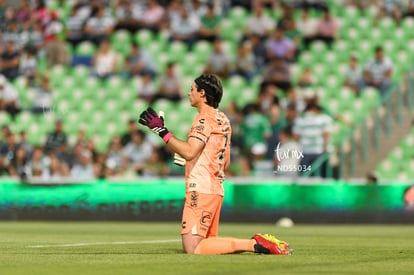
[
  {"x": 184, "y": 27},
  {"x": 353, "y": 74},
  {"x": 377, "y": 72},
  {"x": 9, "y": 98},
  {"x": 308, "y": 27},
  {"x": 105, "y": 61},
  {"x": 258, "y": 23},
  {"x": 99, "y": 26}
]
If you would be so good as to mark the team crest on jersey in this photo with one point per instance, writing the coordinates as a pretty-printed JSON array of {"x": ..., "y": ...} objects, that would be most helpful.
[{"x": 202, "y": 120}]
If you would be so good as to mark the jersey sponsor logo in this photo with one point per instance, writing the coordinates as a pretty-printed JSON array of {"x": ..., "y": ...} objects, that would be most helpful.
[
  {"x": 205, "y": 220},
  {"x": 194, "y": 199},
  {"x": 199, "y": 128}
]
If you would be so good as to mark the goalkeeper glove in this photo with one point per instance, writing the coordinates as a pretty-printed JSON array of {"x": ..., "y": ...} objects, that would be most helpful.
[
  {"x": 151, "y": 119},
  {"x": 179, "y": 160}
]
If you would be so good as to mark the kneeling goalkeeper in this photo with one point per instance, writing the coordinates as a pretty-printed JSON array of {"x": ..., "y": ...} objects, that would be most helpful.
[{"x": 206, "y": 155}]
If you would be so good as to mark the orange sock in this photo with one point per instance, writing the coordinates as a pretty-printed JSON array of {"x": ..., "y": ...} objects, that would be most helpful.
[{"x": 224, "y": 246}]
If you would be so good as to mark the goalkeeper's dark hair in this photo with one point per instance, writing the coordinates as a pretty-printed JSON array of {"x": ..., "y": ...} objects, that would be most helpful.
[{"x": 212, "y": 87}]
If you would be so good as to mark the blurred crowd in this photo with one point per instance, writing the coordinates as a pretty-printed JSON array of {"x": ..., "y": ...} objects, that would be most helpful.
[{"x": 283, "y": 111}]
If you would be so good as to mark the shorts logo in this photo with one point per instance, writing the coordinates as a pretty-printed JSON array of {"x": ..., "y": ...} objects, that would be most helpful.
[
  {"x": 194, "y": 199},
  {"x": 206, "y": 218}
]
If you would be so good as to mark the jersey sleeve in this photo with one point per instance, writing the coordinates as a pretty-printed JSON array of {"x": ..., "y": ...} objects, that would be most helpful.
[{"x": 201, "y": 129}]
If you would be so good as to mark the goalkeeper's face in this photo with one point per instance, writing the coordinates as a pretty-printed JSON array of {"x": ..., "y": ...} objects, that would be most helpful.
[{"x": 196, "y": 97}]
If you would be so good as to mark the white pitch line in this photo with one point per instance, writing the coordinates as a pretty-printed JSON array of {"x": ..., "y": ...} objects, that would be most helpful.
[{"x": 102, "y": 243}]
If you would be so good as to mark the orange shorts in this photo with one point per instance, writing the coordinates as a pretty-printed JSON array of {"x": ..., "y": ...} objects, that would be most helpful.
[{"x": 201, "y": 214}]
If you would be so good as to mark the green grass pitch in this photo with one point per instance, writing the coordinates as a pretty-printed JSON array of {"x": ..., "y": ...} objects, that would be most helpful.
[{"x": 155, "y": 248}]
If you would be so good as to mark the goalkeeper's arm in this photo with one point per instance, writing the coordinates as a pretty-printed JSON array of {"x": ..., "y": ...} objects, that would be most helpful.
[{"x": 187, "y": 149}]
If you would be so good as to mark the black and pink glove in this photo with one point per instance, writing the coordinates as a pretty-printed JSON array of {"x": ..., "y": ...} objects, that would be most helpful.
[{"x": 151, "y": 119}]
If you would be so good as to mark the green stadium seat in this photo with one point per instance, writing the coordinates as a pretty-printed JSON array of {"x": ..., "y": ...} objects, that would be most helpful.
[
  {"x": 407, "y": 145},
  {"x": 80, "y": 73},
  {"x": 5, "y": 118},
  {"x": 177, "y": 51},
  {"x": 85, "y": 48},
  {"x": 238, "y": 16},
  {"x": 143, "y": 37},
  {"x": 387, "y": 170},
  {"x": 370, "y": 96}
]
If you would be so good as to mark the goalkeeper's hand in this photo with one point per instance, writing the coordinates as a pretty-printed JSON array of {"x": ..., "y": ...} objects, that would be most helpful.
[
  {"x": 179, "y": 160},
  {"x": 155, "y": 122}
]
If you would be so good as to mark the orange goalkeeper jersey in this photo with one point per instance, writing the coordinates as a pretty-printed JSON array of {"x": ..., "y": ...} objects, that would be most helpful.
[{"x": 205, "y": 173}]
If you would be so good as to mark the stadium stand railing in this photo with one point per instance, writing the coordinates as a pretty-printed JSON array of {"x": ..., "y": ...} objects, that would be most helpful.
[{"x": 364, "y": 137}]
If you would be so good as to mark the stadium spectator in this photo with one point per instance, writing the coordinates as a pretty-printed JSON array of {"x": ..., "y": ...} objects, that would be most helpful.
[
  {"x": 312, "y": 129},
  {"x": 3, "y": 22},
  {"x": 256, "y": 128},
  {"x": 139, "y": 62},
  {"x": 153, "y": 16},
  {"x": 74, "y": 27},
  {"x": 40, "y": 12},
  {"x": 259, "y": 51},
  {"x": 308, "y": 27},
  {"x": 306, "y": 78},
  {"x": 9, "y": 148},
  {"x": 9, "y": 98},
  {"x": 23, "y": 12},
  {"x": 105, "y": 61},
  {"x": 34, "y": 37},
  {"x": 55, "y": 49},
  {"x": 327, "y": 30},
  {"x": 184, "y": 27},
  {"x": 146, "y": 90},
  {"x": 210, "y": 25},
  {"x": 169, "y": 85},
  {"x": 258, "y": 23},
  {"x": 291, "y": 113},
  {"x": 137, "y": 151},
  {"x": 43, "y": 99},
  {"x": 38, "y": 163},
  {"x": 295, "y": 35},
  {"x": 5, "y": 132},
  {"x": 25, "y": 143},
  {"x": 277, "y": 73},
  {"x": 18, "y": 166},
  {"x": 153, "y": 166},
  {"x": 390, "y": 8},
  {"x": 270, "y": 106},
  {"x": 131, "y": 129},
  {"x": 244, "y": 62},
  {"x": 377, "y": 72},
  {"x": 219, "y": 61},
  {"x": 99, "y": 27},
  {"x": 83, "y": 168},
  {"x": 14, "y": 33},
  {"x": 10, "y": 59},
  {"x": 115, "y": 163},
  {"x": 409, "y": 12},
  {"x": 127, "y": 13},
  {"x": 56, "y": 138},
  {"x": 280, "y": 46},
  {"x": 353, "y": 74},
  {"x": 286, "y": 17},
  {"x": 28, "y": 64}
]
